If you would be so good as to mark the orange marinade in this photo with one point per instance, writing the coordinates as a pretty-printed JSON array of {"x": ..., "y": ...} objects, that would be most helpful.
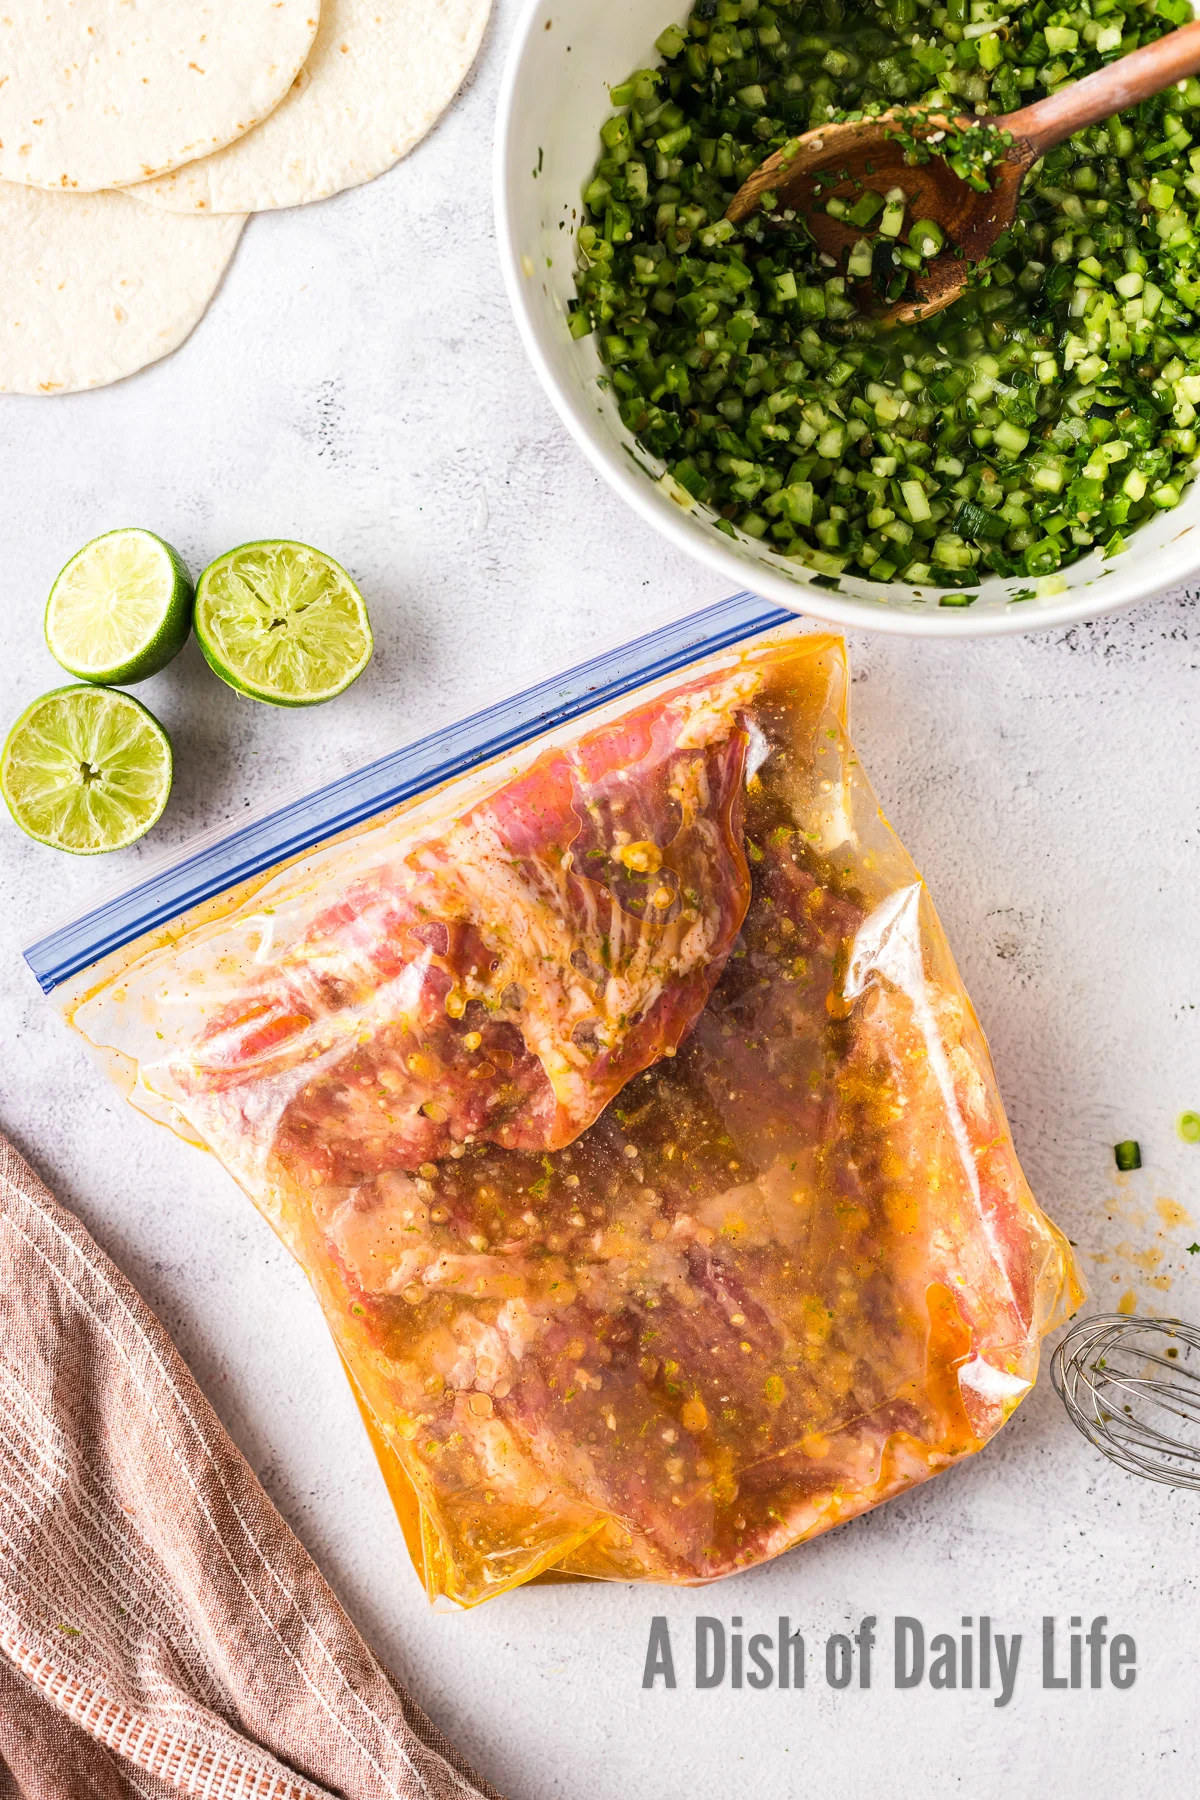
[{"x": 633, "y": 1127}]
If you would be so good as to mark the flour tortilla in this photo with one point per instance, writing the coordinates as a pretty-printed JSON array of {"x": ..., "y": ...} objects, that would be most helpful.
[
  {"x": 102, "y": 93},
  {"x": 95, "y": 286},
  {"x": 380, "y": 74}
]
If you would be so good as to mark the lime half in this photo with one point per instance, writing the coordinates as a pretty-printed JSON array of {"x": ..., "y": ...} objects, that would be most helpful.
[
  {"x": 120, "y": 610},
  {"x": 283, "y": 623},
  {"x": 86, "y": 769}
]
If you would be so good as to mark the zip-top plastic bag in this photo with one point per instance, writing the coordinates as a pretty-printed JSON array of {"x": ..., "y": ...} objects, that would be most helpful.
[{"x": 621, "y": 1100}]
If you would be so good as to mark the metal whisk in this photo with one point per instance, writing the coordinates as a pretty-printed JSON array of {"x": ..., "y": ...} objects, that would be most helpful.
[{"x": 1132, "y": 1386}]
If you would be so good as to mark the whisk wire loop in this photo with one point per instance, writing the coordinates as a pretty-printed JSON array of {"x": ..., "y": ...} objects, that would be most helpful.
[{"x": 1106, "y": 1371}]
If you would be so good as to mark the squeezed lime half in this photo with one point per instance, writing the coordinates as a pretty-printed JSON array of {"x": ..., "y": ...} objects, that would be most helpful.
[
  {"x": 283, "y": 623},
  {"x": 86, "y": 769},
  {"x": 120, "y": 610}
]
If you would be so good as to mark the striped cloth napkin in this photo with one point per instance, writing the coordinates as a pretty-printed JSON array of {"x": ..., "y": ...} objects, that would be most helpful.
[{"x": 162, "y": 1631}]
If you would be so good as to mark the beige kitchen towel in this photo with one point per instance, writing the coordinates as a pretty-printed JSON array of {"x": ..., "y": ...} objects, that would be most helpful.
[{"x": 162, "y": 1630}]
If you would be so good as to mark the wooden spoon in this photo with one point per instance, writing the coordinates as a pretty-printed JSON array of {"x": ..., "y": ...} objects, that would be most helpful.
[{"x": 869, "y": 153}]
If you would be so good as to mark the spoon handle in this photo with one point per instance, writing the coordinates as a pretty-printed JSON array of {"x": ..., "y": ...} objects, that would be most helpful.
[{"x": 1124, "y": 83}]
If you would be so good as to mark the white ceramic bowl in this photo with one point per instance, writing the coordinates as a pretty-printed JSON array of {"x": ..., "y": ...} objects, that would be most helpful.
[{"x": 565, "y": 56}]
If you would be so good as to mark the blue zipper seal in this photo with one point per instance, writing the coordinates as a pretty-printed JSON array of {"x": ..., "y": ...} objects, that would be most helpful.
[{"x": 411, "y": 770}]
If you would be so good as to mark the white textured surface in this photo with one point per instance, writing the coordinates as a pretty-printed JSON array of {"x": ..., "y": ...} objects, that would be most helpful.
[{"x": 358, "y": 383}]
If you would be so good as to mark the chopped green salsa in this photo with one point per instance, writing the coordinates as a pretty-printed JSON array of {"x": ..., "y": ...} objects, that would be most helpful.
[{"x": 1051, "y": 410}]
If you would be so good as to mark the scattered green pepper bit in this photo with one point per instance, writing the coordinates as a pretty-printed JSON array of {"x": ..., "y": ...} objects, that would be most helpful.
[
  {"x": 1128, "y": 1155},
  {"x": 1188, "y": 1127},
  {"x": 1051, "y": 411},
  {"x": 972, "y": 149}
]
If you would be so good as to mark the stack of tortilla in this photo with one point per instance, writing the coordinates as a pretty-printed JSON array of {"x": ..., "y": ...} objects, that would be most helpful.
[{"x": 134, "y": 142}]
